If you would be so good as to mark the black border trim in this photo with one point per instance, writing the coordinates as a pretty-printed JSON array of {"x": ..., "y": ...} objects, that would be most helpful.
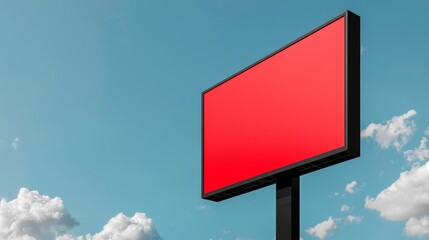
[{"x": 352, "y": 119}]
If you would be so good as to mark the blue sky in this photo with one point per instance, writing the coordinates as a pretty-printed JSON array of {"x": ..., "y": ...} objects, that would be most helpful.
[{"x": 100, "y": 107}]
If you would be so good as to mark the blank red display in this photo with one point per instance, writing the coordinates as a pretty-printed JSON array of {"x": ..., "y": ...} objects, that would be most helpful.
[{"x": 287, "y": 108}]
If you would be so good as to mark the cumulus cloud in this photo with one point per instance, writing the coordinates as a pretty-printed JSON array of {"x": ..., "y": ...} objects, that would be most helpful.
[
  {"x": 323, "y": 229},
  {"x": 350, "y": 187},
  {"x": 417, "y": 226},
  {"x": 329, "y": 226},
  {"x": 353, "y": 219},
  {"x": 15, "y": 144},
  {"x": 121, "y": 227},
  {"x": 32, "y": 216},
  {"x": 396, "y": 131},
  {"x": 418, "y": 154},
  {"x": 406, "y": 199},
  {"x": 345, "y": 208},
  {"x": 427, "y": 131}
]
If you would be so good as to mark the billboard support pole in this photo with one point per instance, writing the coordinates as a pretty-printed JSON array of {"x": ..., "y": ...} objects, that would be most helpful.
[{"x": 287, "y": 208}]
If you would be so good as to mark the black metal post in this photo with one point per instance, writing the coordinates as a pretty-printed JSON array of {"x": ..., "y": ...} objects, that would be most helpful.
[{"x": 287, "y": 208}]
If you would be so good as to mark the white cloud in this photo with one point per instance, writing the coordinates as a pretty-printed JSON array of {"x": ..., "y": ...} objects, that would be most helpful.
[
  {"x": 120, "y": 227},
  {"x": 329, "y": 226},
  {"x": 71, "y": 237},
  {"x": 353, "y": 219},
  {"x": 15, "y": 144},
  {"x": 350, "y": 187},
  {"x": 32, "y": 216},
  {"x": 336, "y": 194},
  {"x": 345, "y": 208},
  {"x": 417, "y": 226},
  {"x": 324, "y": 228},
  {"x": 396, "y": 131},
  {"x": 406, "y": 199},
  {"x": 418, "y": 154}
]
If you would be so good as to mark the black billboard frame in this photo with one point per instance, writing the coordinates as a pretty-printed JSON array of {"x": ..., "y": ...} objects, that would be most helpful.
[{"x": 351, "y": 148}]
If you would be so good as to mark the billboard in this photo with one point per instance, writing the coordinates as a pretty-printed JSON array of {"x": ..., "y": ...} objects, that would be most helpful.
[{"x": 293, "y": 112}]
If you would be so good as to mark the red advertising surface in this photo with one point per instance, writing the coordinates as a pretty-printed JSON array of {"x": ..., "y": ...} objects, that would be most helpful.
[{"x": 282, "y": 111}]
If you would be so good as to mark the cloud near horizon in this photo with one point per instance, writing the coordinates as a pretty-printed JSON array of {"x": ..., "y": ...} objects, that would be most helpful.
[
  {"x": 324, "y": 229},
  {"x": 32, "y": 216},
  {"x": 395, "y": 132},
  {"x": 328, "y": 227},
  {"x": 407, "y": 199}
]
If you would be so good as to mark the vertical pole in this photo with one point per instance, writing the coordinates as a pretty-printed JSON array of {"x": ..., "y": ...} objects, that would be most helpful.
[{"x": 287, "y": 208}]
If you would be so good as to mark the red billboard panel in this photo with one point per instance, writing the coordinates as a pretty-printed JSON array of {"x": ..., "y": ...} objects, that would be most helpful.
[{"x": 293, "y": 112}]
